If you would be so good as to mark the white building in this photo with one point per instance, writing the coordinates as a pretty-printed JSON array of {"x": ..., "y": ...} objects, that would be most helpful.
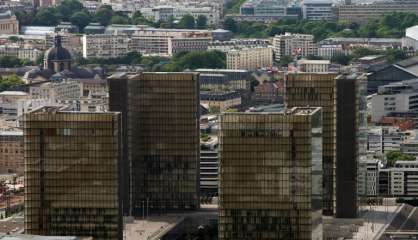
[
  {"x": 411, "y": 38},
  {"x": 105, "y": 45},
  {"x": 225, "y": 46},
  {"x": 289, "y": 44},
  {"x": 56, "y": 91},
  {"x": 9, "y": 103},
  {"x": 381, "y": 140},
  {"x": 329, "y": 50},
  {"x": 249, "y": 58},
  {"x": 368, "y": 176},
  {"x": 166, "y": 42},
  {"x": 29, "y": 53},
  {"x": 315, "y": 10},
  {"x": 395, "y": 97},
  {"x": 313, "y": 66},
  {"x": 400, "y": 181}
]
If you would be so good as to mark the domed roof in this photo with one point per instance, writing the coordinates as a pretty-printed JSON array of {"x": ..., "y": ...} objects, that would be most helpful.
[{"x": 57, "y": 52}]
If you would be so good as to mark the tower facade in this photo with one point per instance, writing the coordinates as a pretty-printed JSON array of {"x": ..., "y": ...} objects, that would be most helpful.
[
  {"x": 319, "y": 90},
  {"x": 71, "y": 174},
  {"x": 161, "y": 115},
  {"x": 270, "y": 179}
]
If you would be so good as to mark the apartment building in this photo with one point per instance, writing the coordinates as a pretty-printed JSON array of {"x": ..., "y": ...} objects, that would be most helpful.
[
  {"x": 56, "y": 90},
  {"x": 105, "y": 45},
  {"x": 368, "y": 175},
  {"x": 226, "y": 46},
  {"x": 249, "y": 58},
  {"x": 166, "y": 42},
  {"x": 11, "y": 152},
  {"x": 288, "y": 44},
  {"x": 217, "y": 79}
]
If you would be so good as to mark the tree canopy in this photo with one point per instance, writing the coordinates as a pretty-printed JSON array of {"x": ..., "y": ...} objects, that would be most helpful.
[
  {"x": 193, "y": 60},
  {"x": 187, "y": 21},
  {"x": 394, "y": 156},
  {"x": 9, "y": 81}
]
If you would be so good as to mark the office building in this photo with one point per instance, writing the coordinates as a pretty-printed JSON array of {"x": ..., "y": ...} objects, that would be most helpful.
[
  {"x": 347, "y": 139},
  {"x": 318, "y": 10},
  {"x": 400, "y": 180},
  {"x": 270, "y": 175},
  {"x": 249, "y": 58},
  {"x": 11, "y": 152},
  {"x": 327, "y": 51},
  {"x": 362, "y": 13},
  {"x": 368, "y": 177},
  {"x": 72, "y": 173},
  {"x": 295, "y": 45},
  {"x": 161, "y": 135},
  {"x": 394, "y": 97},
  {"x": 319, "y": 89}
]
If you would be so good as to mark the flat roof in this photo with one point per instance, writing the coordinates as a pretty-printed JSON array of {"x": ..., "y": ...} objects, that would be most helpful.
[{"x": 14, "y": 93}]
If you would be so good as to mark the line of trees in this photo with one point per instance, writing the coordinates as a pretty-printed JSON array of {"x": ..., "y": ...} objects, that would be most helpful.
[
  {"x": 390, "y": 25},
  {"x": 73, "y": 11}
]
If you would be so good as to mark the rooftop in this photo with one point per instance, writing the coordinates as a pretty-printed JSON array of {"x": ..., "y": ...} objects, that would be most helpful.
[{"x": 13, "y": 93}]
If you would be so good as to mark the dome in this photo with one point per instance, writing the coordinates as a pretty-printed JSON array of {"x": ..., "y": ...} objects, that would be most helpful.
[{"x": 57, "y": 52}]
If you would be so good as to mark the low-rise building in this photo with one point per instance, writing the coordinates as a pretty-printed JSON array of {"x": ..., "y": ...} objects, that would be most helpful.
[
  {"x": 9, "y": 103},
  {"x": 220, "y": 100},
  {"x": 11, "y": 152},
  {"x": 313, "y": 66},
  {"x": 56, "y": 90},
  {"x": 226, "y": 46},
  {"x": 329, "y": 50},
  {"x": 368, "y": 174},
  {"x": 399, "y": 181},
  {"x": 395, "y": 97},
  {"x": 249, "y": 58},
  {"x": 216, "y": 79}
]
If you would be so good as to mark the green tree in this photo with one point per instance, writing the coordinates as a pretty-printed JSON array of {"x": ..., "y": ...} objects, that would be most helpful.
[
  {"x": 104, "y": 15},
  {"x": 139, "y": 19},
  {"x": 394, "y": 55},
  {"x": 25, "y": 18},
  {"x": 46, "y": 17},
  {"x": 13, "y": 39},
  {"x": 342, "y": 59},
  {"x": 80, "y": 19},
  {"x": 117, "y": 19},
  {"x": 9, "y": 81},
  {"x": 394, "y": 156},
  {"x": 285, "y": 60},
  {"x": 40, "y": 59},
  {"x": 187, "y": 21},
  {"x": 230, "y": 24},
  {"x": 9, "y": 61},
  {"x": 201, "y": 22}
]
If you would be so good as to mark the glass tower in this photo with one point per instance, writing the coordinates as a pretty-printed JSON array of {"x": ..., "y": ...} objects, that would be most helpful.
[
  {"x": 71, "y": 173},
  {"x": 319, "y": 90},
  {"x": 161, "y": 115},
  {"x": 271, "y": 175}
]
